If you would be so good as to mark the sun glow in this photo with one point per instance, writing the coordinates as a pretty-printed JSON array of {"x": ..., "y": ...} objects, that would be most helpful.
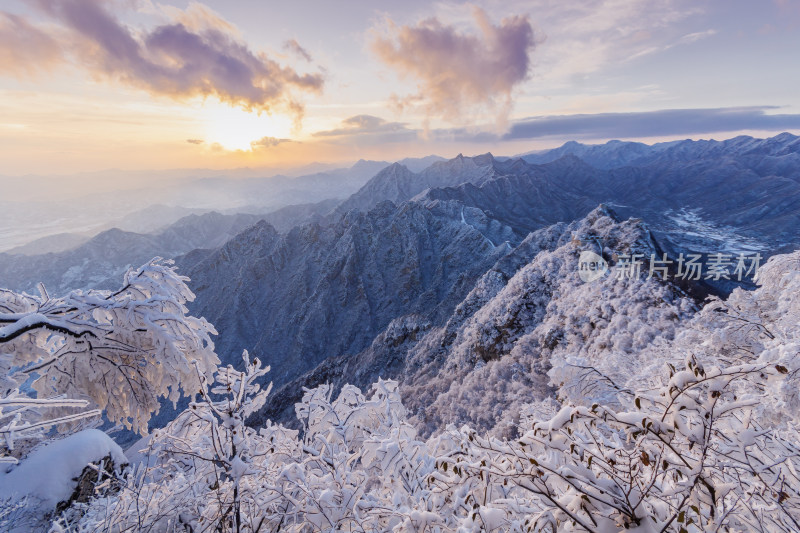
[{"x": 235, "y": 129}]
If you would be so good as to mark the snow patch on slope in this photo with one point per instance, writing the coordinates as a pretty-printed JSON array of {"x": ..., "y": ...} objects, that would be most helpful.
[{"x": 710, "y": 237}]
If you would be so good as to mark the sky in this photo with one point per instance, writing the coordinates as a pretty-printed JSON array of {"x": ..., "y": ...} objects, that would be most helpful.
[{"x": 92, "y": 85}]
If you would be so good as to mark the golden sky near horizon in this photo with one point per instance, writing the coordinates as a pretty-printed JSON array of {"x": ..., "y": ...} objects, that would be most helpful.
[{"x": 87, "y": 85}]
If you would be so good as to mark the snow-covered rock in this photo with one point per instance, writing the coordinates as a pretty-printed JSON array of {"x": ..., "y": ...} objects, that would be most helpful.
[{"x": 49, "y": 474}]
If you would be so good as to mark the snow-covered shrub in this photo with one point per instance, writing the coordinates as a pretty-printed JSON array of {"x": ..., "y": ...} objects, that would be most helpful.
[
  {"x": 24, "y": 420},
  {"x": 123, "y": 350},
  {"x": 202, "y": 460},
  {"x": 759, "y": 327},
  {"x": 209, "y": 471},
  {"x": 702, "y": 436},
  {"x": 82, "y": 354},
  {"x": 690, "y": 456}
]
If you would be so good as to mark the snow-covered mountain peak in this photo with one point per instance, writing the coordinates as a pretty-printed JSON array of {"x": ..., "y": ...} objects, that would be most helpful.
[{"x": 493, "y": 353}]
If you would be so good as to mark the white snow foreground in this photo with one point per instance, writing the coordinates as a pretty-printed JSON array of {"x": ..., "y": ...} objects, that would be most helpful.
[{"x": 703, "y": 438}]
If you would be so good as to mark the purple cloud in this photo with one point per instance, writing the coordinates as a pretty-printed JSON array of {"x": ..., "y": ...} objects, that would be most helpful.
[
  {"x": 457, "y": 71},
  {"x": 181, "y": 61},
  {"x": 368, "y": 130},
  {"x": 661, "y": 122},
  {"x": 195, "y": 141},
  {"x": 361, "y": 124},
  {"x": 293, "y": 46}
]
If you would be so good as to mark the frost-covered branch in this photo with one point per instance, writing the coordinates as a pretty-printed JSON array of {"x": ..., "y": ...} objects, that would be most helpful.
[{"x": 124, "y": 350}]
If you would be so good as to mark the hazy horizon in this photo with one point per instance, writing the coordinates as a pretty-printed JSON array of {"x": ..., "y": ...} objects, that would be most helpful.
[{"x": 102, "y": 97}]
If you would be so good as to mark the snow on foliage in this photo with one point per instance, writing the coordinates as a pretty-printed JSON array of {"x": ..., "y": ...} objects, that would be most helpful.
[
  {"x": 646, "y": 419},
  {"x": 695, "y": 446},
  {"x": 122, "y": 350},
  {"x": 22, "y": 419},
  {"x": 116, "y": 351}
]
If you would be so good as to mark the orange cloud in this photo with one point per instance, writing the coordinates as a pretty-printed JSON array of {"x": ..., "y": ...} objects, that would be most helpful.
[
  {"x": 24, "y": 48},
  {"x": 197, "y": 54}
]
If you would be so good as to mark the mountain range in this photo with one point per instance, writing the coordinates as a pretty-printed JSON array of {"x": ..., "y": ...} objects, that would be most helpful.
[
  {"x": 348, "y": 298},
  {"x": 100, "y": 261},
  {"x": 491, "y": 354},
  {"x": 461, "y": 270}
]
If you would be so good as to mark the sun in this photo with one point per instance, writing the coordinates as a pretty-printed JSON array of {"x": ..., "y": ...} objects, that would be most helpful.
[{"x": 234, "y": 128}]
